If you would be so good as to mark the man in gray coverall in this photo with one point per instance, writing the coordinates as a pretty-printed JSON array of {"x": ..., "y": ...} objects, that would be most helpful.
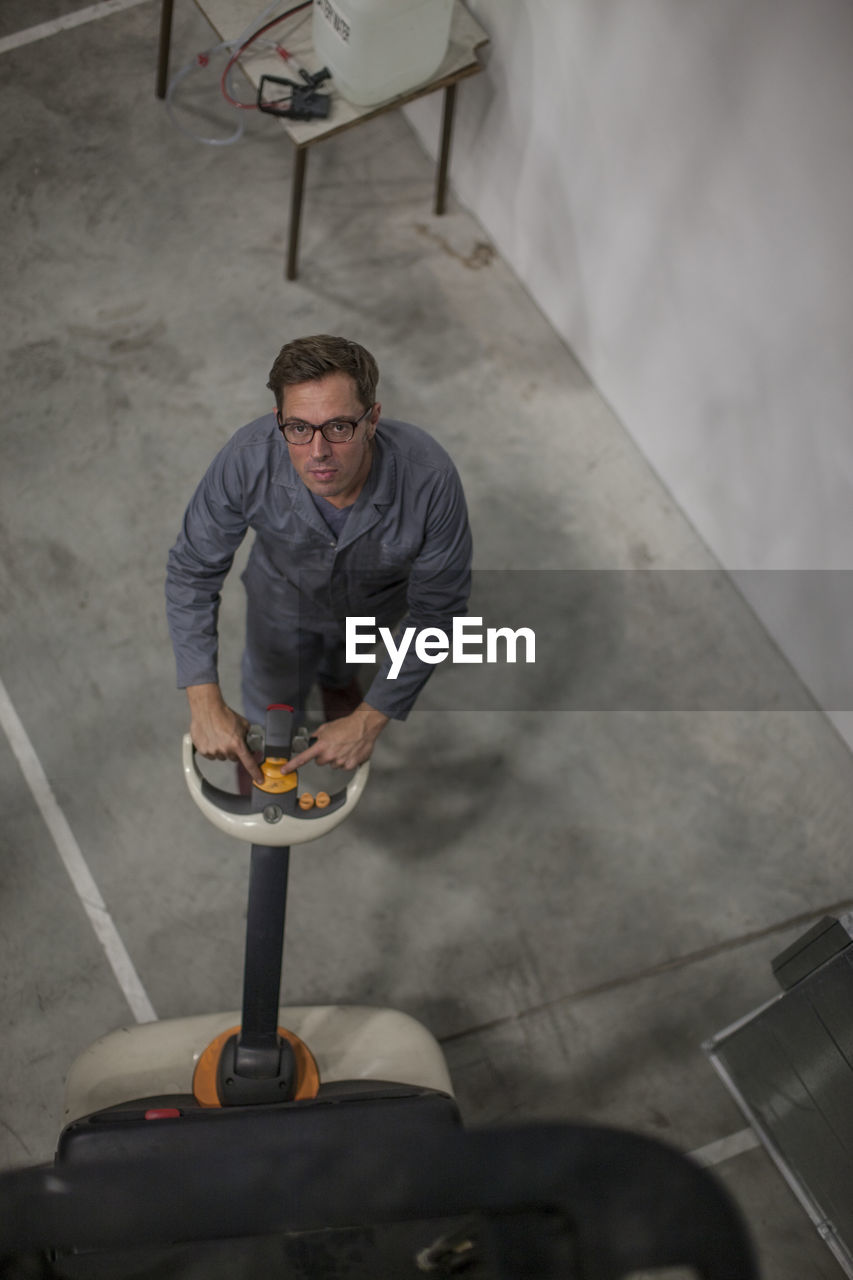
[{"x": 354, "y": 516}]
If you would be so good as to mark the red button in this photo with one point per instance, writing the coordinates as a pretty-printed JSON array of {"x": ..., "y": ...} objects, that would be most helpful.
[{"x": 162, "y": 1113}]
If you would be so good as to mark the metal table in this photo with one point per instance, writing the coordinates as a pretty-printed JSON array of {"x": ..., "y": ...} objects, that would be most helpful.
[{"x": 229, "y": 17}]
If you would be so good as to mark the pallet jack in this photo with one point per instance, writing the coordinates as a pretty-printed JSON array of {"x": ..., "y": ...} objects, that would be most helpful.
[{"x": 326, "y": 1141}]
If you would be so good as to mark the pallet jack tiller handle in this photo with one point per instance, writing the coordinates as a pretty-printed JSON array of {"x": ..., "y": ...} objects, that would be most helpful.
[
  {"x": 260, "y": 1062},
  {"x": 271, "y": 817}
]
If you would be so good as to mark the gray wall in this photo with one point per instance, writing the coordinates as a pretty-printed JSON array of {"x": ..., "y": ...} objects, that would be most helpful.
[{"x": 673, "y": 181}]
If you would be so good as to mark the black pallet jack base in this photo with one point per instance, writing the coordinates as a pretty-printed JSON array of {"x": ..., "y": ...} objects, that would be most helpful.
[{"x": 375, "y": 1192}]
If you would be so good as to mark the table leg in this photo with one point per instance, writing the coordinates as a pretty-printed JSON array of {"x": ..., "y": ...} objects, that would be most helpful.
[
  {"x": 165, "y": 42},
  {"x": 299, "y": 162},
  {"x": 444, "y": 153}
]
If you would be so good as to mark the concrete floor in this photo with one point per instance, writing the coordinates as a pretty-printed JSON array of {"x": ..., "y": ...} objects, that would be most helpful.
[{"x": 571, "y": 899}]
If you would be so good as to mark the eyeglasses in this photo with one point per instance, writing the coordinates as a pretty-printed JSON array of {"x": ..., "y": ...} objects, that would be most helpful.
[{"x": 336, "y": 430}]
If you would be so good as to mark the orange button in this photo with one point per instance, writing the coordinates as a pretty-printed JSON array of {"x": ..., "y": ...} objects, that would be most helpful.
[
  {"x": 275, "y": 782},
  {"x": 322, "y": 799}
]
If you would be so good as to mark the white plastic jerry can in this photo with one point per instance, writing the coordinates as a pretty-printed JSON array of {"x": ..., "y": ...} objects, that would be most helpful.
[{"x": 377, "y": 49}]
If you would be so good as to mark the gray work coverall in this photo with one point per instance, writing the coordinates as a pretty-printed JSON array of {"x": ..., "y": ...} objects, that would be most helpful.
[{"x": 404, "y": 553}]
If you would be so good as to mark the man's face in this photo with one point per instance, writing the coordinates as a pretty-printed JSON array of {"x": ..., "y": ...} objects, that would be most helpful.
[{"x": 333, "y": 471}]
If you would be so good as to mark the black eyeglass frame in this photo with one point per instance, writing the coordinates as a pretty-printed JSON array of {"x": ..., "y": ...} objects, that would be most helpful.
[{"x": 322, "y": 428}]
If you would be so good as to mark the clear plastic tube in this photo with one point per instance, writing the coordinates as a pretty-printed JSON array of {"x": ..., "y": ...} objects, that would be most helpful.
[
  {"x": 228, "y": 47},
  {"x": 182, "y": 128}
]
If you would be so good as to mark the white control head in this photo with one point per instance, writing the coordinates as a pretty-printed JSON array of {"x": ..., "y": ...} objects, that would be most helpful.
[{"x": 263, "y": 819}]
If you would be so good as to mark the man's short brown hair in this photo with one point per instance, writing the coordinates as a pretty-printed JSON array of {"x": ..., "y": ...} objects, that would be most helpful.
[{"x": 307, "y": 359}]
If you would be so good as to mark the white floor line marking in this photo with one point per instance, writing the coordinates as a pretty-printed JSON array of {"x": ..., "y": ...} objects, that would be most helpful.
[
  {"x": 44, "y": 29},
  {"x": 74, "y": 862},
  {"x": 726, "y": 1148}
]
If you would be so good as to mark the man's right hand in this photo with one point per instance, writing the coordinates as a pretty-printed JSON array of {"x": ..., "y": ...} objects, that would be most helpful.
[{"x": 218, "y": 732}]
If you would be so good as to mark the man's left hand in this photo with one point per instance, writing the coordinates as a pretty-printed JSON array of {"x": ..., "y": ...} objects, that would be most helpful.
[{"x": 344, "y": 743}]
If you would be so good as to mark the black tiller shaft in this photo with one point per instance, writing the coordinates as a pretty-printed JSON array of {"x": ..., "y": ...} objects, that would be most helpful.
[{"x": 264, "y": 946}]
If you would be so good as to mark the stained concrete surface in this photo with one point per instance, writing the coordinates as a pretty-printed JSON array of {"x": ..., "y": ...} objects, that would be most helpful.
[{"x": 572, "y": 900}]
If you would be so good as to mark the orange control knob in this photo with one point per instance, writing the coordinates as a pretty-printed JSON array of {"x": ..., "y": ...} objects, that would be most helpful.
[
  {"x": 322, "y": 799},
  {"x": 306, "y": 800},
  {"x": 275, "y": 782}
]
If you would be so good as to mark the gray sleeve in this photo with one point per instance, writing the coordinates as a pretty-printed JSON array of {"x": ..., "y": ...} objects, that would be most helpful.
[
  {"x": 214, "y": 525},
  {"x": 439, "y": 586}
]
